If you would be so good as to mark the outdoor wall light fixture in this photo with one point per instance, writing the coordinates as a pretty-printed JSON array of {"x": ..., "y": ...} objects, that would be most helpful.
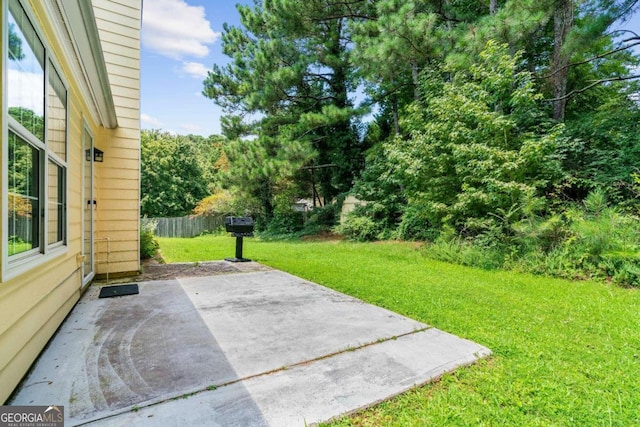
[{"x": 98, "y": 155}]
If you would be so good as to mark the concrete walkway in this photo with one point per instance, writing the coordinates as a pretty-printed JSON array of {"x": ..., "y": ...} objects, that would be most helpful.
[{"x": 247, "y": 349}]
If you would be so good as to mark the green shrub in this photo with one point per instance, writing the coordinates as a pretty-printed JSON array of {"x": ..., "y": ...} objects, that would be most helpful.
[
  {"x": 540, "y": 234},
  {"x": 320, "y": 219},
  {"x": 325, "y": 216},
  {"x": 591, "y": 240},
  {"x": 286, "y": 222},
  {"x": 451, "y": 248},
  {"x": 588, "y": 241},
  {"x": 416, "y": 224},
  {"x": 148, "y": 244},
  {"x": 359, "y": 228}
]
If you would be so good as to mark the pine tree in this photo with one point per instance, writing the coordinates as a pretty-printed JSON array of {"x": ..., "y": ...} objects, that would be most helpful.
[{"x": 291, "y": 67}]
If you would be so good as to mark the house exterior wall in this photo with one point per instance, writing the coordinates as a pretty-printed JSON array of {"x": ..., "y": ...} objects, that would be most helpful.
[
  {"x": 35, "y": 299},
  {"x": 118, "y": 180}
]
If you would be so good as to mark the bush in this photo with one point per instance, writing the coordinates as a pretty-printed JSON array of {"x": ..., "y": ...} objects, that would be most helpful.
[
  {"x": 358, "y": 228},
  {"x": 324, "y": 216},
  {"x": 285, "y": 222},
  {"x": 148, "y": 244},
  {"x": 416, "y": 224},
  {"x": 589, "y": 241},
  {"x": 321, "y": 219},
  {"x": 604, "y": 244},
  {"x": 220, "y": 203},
  {"x": 449, "y": 247}
]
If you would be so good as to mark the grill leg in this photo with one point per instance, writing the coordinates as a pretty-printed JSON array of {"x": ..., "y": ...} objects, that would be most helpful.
[
  {"x": 239, "y": 247},
  {"x": 238, "y": 257}
]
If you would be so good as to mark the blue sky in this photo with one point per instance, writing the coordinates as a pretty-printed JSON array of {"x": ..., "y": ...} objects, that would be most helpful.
[{"x": 180, "y": 42}]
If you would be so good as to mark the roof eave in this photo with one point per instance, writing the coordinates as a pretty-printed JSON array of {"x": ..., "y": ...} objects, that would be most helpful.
[{"x": 82, "y": 22}]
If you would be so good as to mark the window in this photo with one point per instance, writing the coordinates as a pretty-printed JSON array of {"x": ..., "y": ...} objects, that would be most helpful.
[
  {"x": 23, "y": 195},
  {"x": 57, "y": 153},
  {"x": 36, "y": 118}
]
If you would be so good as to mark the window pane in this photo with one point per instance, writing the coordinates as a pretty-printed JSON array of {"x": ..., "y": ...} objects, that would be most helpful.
[
  {"x": 56, "y": 114},
  {"x": 25, "y": 72},
  {"x": 55, "y": 201},
  {"x": 23, "y": 195}
]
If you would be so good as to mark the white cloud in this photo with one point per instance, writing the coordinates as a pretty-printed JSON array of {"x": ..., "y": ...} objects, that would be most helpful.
[
  {"x": 195, "y": 69},
  {"x": 148, "y": 121},
  {"x": 174, "y": 29}
]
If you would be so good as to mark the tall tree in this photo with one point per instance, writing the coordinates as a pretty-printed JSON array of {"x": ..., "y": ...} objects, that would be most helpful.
[
  {"x": 171, "y": 179},
  {"x": 563, "y": 18},
  {"x": 290, "y": 66},
  {"x": 209, "y": 153},
  {"x": 589, "y": 44},
  {"x": 479, "y": 143},
  {"x": 395, "y": 43}
]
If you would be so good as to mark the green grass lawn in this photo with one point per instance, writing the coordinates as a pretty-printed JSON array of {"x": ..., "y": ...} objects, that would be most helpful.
[{"x": 565, "y": 353}]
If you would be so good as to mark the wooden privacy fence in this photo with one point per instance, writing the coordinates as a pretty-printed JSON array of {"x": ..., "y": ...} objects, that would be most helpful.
[{"x": 186, "y": 226}]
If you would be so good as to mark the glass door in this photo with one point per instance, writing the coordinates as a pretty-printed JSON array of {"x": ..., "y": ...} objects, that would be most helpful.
[{"x": 88, "y": 207}]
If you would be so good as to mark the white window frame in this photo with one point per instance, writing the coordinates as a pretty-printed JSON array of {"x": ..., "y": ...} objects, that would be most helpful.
[{"x": 26, "y": 261}]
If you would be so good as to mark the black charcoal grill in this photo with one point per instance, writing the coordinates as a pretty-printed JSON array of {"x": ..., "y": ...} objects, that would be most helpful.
[{"x": 239, "y": 227}]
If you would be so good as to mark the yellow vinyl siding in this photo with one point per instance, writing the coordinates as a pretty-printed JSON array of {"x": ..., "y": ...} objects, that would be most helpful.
[
  {"x": 39, "y": 325},
  {"x": 126, "y": 61},
  {"x": 119, "y": 176},
  {"x": 128, "y": 82},
  {"x": 33, "y": 306},
  {"x": 125, "y": 51},
  {"x": 125, "y": 194},
  {"x": 126, "y": 16},
  {"x": 113, "y": 32},
  {"x": 122, "y": 2},
  {"x": 117, "y": 71},
  {"x": 35, "y": 302},
  {"x": 128, "y": 93}
]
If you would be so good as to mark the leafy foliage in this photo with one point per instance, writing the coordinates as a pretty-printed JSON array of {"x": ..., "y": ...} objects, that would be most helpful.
[
  {"x": 474, "y": 146},
  {"x": 219, "y": 203},
  {"x": 587, "y": 241},
  {"x": 211, "y": 158},
  {"x": 148, "y": 244},
  {"x": 492, "y": 123},
  {"x": 603, "y": 149},
  {"x": 359, "y": 228},
  {"x": 595, "y": 241},
  {"x": 290, "y": 65},
  {"x": 15, "y": 44},
  {"x": 171, "y": 178}
]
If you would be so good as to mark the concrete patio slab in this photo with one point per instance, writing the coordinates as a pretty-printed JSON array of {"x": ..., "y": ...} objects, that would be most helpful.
[
  {"x": 268, "y": 320},
  {"x": 261, "y": 348}
]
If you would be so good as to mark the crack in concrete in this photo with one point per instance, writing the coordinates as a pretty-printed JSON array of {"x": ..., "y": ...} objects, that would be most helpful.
[{"x": 213, "y": 387}]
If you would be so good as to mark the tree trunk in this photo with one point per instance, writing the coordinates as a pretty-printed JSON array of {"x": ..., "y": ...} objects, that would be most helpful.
[
  {"x": 562, "y": 24},
  {"x": 396, "y": 119},
  {"x": 416, "y": 82},
  {"x": 493, "y": 7}
]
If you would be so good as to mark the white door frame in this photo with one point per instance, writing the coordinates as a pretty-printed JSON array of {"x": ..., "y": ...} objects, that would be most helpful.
[{"x": 88, "y": 207}]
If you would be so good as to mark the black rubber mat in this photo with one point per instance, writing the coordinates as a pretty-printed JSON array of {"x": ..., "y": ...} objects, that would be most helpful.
[{"x": 119, "y": 290}]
